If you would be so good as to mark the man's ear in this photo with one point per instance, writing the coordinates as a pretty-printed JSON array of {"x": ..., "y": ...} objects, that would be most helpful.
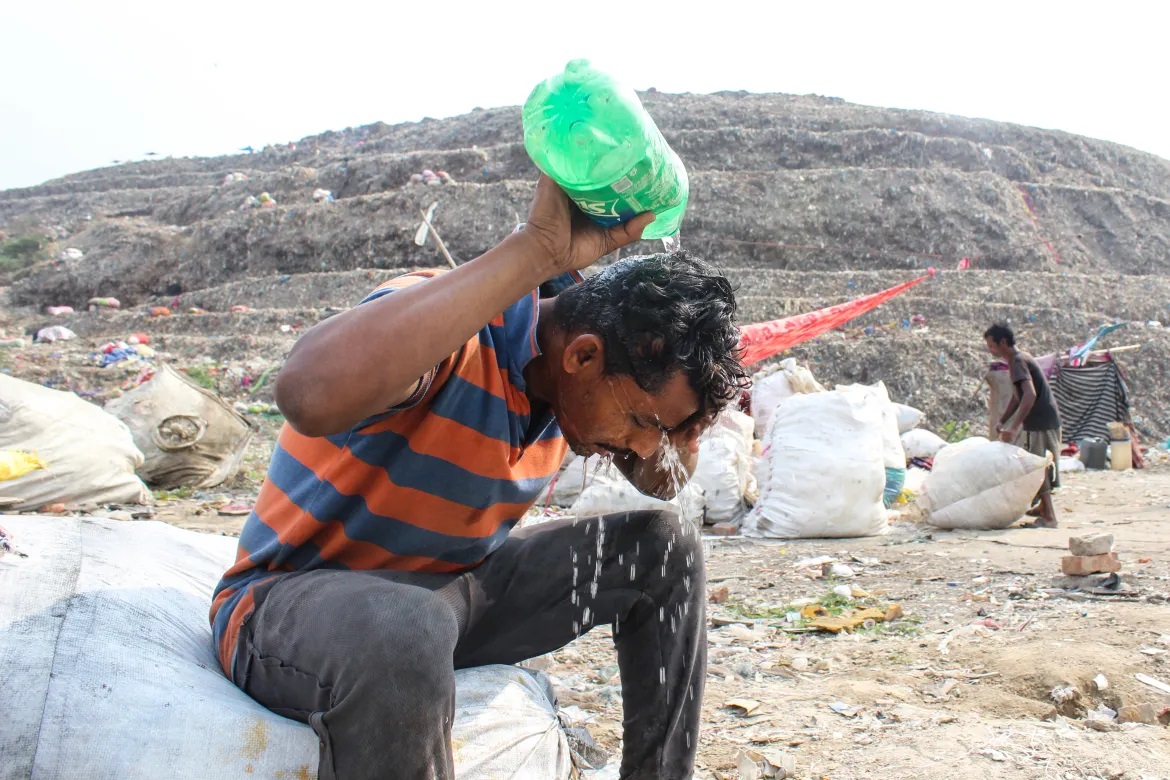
[{"x": 584, "y": 356}]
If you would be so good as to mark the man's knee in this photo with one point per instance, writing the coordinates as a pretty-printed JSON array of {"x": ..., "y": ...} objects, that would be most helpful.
[{"x": 678, "y": 540}]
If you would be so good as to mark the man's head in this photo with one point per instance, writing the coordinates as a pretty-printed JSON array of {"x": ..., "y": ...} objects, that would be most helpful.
[
  {"x": 650, "y": 344},
  {"x": 1000, "y": 340}
]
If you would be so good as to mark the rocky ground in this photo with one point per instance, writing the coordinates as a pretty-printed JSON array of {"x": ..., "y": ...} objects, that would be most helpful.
[{"x": 963, "y": 684}]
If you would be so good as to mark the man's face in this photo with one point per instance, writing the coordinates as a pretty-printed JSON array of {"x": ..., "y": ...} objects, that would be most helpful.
[
  {"x": 993, "y": 346},
  {"x": 602, "y": 414}
]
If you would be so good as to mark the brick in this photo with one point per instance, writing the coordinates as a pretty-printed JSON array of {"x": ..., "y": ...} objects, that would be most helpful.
[
  {"x": 724, "y": 529},
  {"x": 1083, "y": 565},
  {"x": 1138, "y": 713},
  {"x": 1091, "y": 544}
]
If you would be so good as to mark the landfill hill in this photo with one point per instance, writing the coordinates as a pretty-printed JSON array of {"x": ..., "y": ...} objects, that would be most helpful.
[{"x": 805, "y": 201}]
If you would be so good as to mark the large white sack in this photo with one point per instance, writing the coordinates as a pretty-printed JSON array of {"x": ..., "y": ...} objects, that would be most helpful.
[
  {"x": 771, "y": 386},
  {"x": 724, "y": 465},
  {"x": 110, "y": 675},
  {"x": 822, "y": 472},
  {"x": 604, "y": 496},
  {"x": 981, "y": 484},
  {"x": 90, "y": 454},
  {"x": 576, "y": 474},
  {"x": 893, "y": 455},
  {"x": 921, "y": 443},
  {"x": 908, "y": 417}
]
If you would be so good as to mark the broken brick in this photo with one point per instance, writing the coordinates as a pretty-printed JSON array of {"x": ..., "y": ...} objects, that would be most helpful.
[
  {"x": 724, "y": 529},
  {"x": 1083, "y": 565}
]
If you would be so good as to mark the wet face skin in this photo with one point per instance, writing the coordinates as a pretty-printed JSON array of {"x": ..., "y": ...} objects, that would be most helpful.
[{"x": 601, "y": 413}]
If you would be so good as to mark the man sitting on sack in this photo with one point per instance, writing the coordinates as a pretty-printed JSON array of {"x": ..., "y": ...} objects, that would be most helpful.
[{"x": 422, "y": 425}]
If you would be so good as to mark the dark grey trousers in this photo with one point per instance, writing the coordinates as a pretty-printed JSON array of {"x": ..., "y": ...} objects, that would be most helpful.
[{"x": 368, "y": 659}]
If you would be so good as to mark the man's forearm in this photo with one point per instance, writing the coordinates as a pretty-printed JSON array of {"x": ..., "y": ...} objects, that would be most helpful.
[
  {"x": 358, "y": 363},
  {"x": 1025, "y": 407},
  {"x": 651, "y": 479},
  {"x": 1007, "y": 413}
]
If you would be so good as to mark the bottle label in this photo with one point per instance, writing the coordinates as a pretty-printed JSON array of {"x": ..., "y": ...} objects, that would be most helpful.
[{"x": 642, "y": 188}]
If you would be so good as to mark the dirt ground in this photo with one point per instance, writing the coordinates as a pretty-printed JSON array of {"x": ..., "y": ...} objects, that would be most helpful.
[{"x": 962, "y": 684}]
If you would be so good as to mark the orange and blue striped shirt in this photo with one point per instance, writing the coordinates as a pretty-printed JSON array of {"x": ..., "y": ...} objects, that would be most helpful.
[{"x": 433, "y": 485}]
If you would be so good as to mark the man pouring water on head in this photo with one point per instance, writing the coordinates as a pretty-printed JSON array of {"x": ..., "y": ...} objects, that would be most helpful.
[{"x": 422, "y": 425}]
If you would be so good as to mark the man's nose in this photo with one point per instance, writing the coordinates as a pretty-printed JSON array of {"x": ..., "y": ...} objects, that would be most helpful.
[{"x": 645, "y": 443}]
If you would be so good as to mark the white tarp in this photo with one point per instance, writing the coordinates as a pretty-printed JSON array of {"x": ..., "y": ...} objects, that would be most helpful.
[{"x": 109, "y": 672}]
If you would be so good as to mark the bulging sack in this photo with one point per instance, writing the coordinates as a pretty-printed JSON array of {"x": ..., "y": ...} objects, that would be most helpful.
[
  {"x": 921, "y": 443},
  {"x": 909, "y": 418},
  {"x": 822, "y": 472},
  {"x": 88, "y": 456},
  {"x": 981, "y": 485},
  {"x": 110, "y": 672},
  {"x": 188, "y": 435},
  {"x": 771, "y": 386},
  {"x": 724, "y": 466},
  {"x": 605, "y": 496}
]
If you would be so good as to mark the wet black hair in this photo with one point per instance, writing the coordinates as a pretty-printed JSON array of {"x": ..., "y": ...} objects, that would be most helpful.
[
  {"x": 1000, "y": 332},
  {"x": 658, "y": 315}
]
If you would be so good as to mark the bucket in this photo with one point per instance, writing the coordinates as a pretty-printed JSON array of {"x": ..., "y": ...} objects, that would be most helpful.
[
  {"x": 1120, "y": 454},
  {"x": 1093, "y": 453}
]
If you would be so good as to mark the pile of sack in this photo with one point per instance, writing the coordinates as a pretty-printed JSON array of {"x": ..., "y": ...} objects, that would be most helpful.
[
  {"x": 829, "y": 459},
  {"x": 56, "y": 448}
]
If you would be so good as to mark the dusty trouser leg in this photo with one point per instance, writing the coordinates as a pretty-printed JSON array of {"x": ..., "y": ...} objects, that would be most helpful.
[
  {"x": 641, "y": 572},
  {"x": 366, "y": 659}
]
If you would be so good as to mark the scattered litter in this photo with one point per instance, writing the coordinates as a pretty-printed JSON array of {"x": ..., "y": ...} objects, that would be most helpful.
[
  {"x": 1153, "y": 683},
  {"x": 17, "y": 463},
  {"x": 847, "y": 710},
  {"x": 56, "y": 311},
  {"x": 767, "y": 765},
  {"x": 103, "y": 303},
  {"x": 745, "y": 706},
  {"x": 54, "y": 333}
]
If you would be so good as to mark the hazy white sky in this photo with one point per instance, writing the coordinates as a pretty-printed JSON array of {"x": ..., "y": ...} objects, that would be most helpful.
[{"x": 86, "y": 83}]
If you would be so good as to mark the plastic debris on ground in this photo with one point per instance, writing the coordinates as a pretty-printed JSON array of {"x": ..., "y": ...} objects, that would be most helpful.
[{"x": 54, "y": 333}]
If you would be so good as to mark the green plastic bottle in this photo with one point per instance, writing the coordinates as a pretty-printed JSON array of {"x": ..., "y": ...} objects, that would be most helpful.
[{"x": 593, "y": 137}]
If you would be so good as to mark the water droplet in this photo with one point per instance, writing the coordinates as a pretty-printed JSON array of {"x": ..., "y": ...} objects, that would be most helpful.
[
  {"x": 631, "y": 572},
  {"x": 662, "y": 674},
  {"x": 586, "y": 616},
  {"x": 661, "y": 614},
  {"x": 593, "y": 590}
]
